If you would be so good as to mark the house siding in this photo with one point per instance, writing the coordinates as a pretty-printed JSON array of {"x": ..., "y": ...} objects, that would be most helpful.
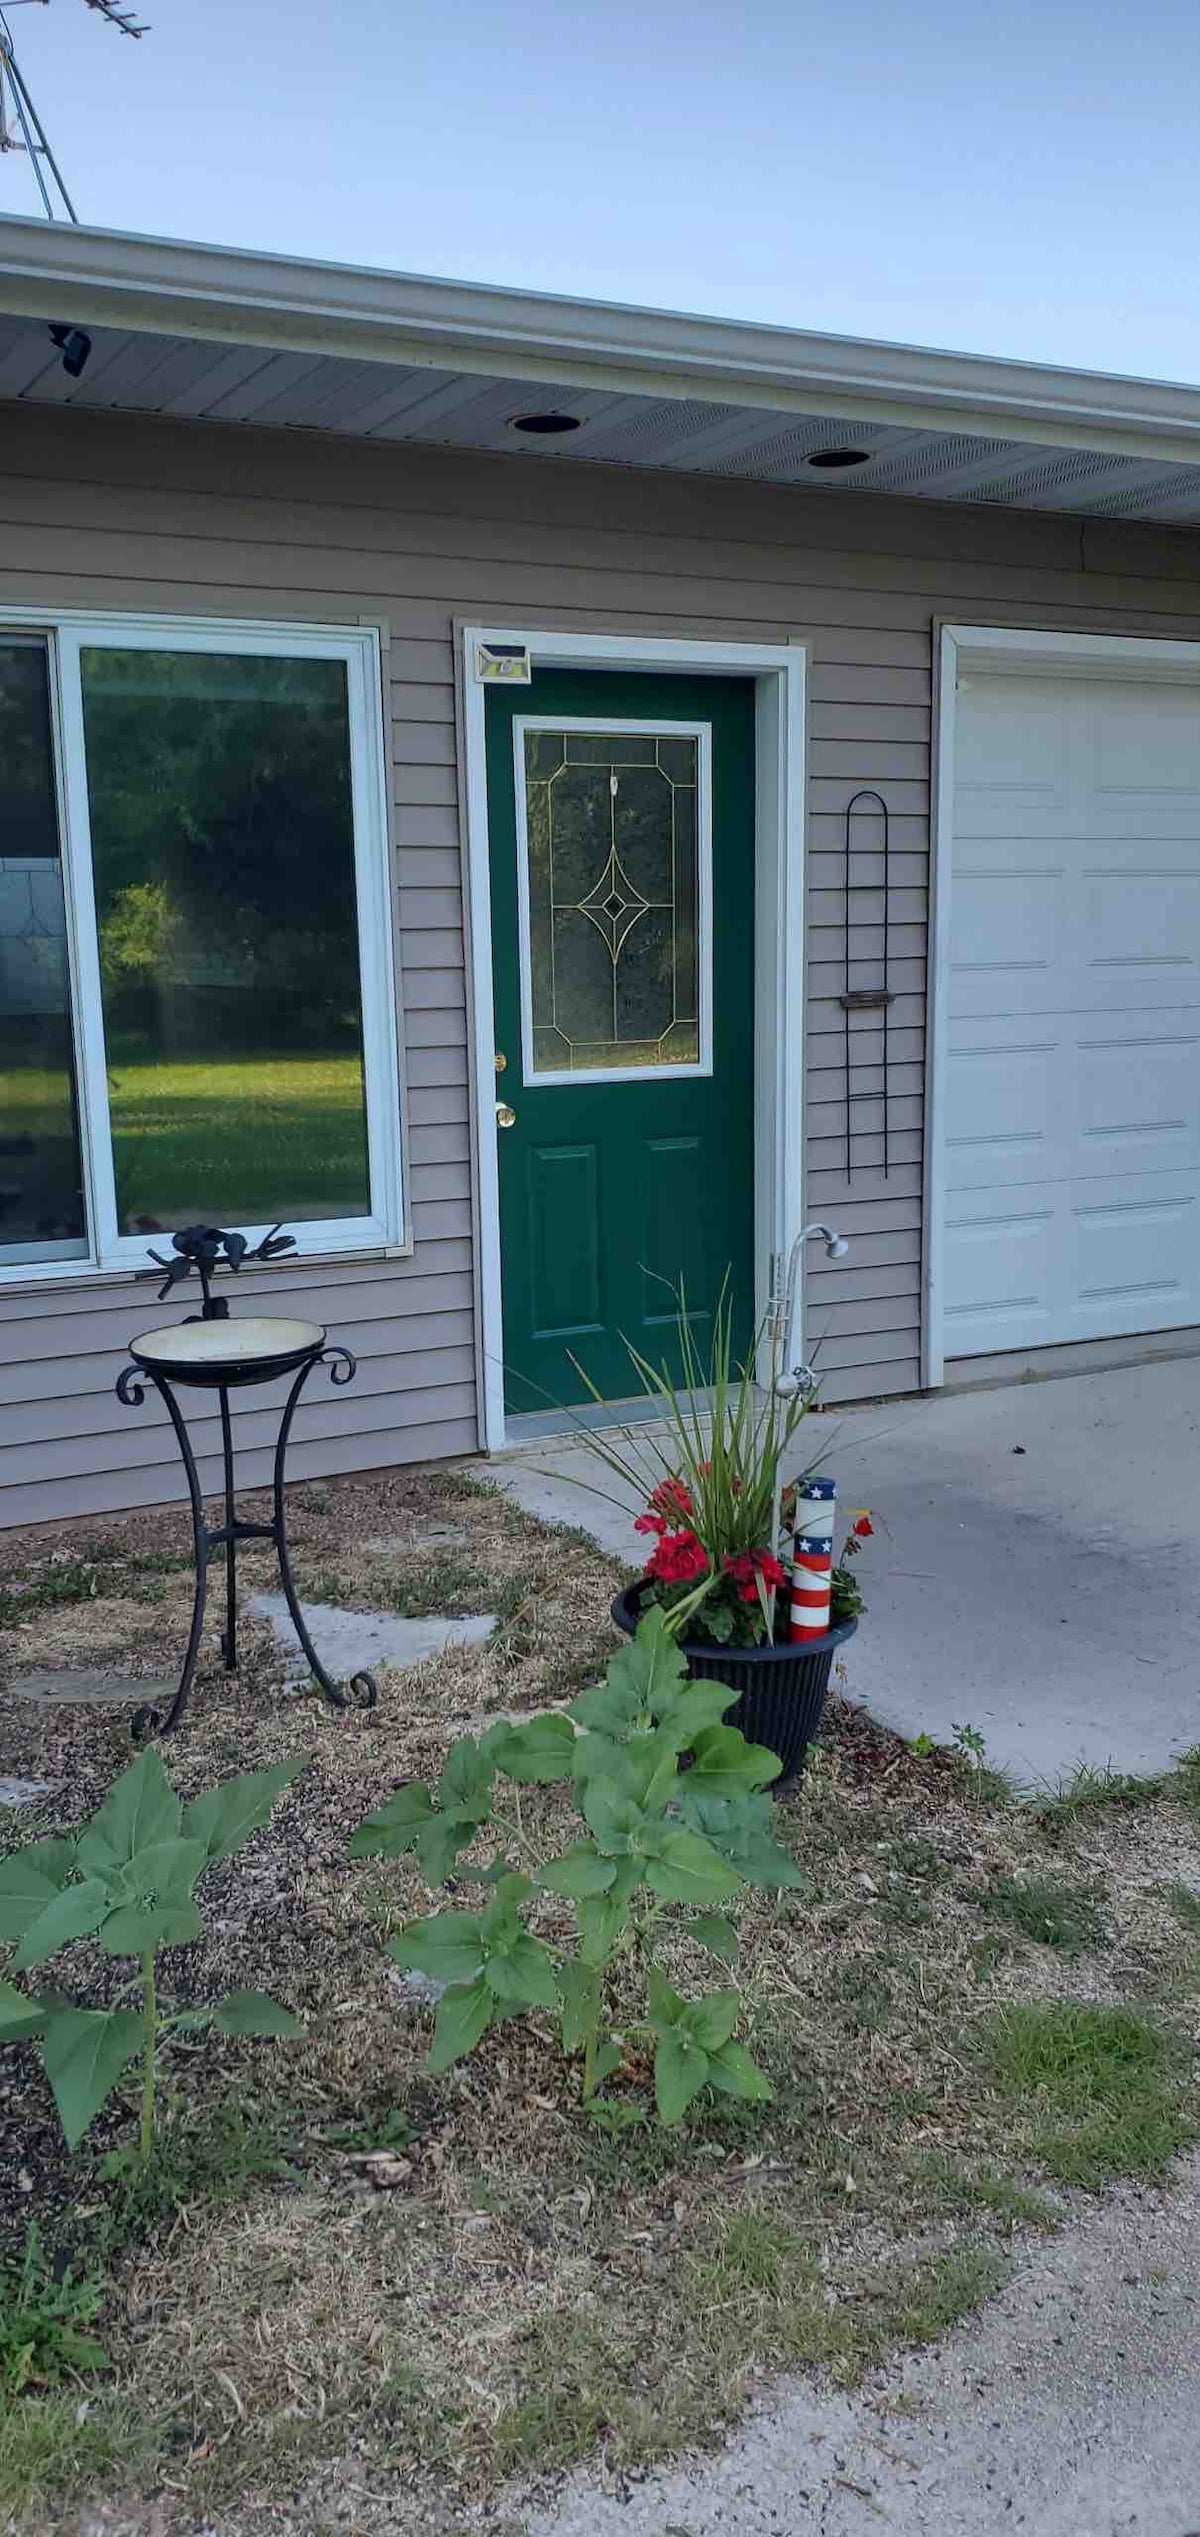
[{"x": 113, "y": 512}]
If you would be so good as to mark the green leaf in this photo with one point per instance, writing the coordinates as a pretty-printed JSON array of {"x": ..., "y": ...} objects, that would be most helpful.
[
  {"x": 609, "y": 2057},
  {"x": 602, "y": 1917},
  {"x": 684, "y": 1868},
  {"x": 653, "y": 1662},
  {"x": 580, "y": 1872},
  {"x": 74, "y": 1913},
  {"x": 614, "y": 1822},
  {"x": 666, "y": 2007},
  {"x": 151, "y": 1900},
  {"x": 732, "y": 2070},
  {"x": 138, "y": 1929},
  {"x": 19, "y": 2016},
  {"x": 30, "y": 1880},
  {"x": 680, "y": 2071},
  {"x": 223, "y": 1818},
  {"x": 540, "y": 1750},
  {"x": 85, "y": 2050},
  {"x": 465, "y": 1787},
  {"x": 522, "y": 1976},
  {"x": 439, "y": 1844},
  {"x": 712, "y": 1930},
  {"x": 448, "y": 1946},
  {"x": 464, "y": 2015},
  {"x": 711, "y": 2022},
  {"x": 142, "y": 1807},
  {"x": 396, "y": 1826},
  {"x": 699, "y": 1705},
  {"x": 580, "y": 1992},
  {"x": 255, "y": 2013},
  {"x": 611, "y": 1711},
  {"x": 738, "y": 1828},
  {"x": 725, "y": 1765}
]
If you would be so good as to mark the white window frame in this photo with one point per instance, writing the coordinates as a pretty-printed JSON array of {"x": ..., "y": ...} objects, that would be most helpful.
[
  {"x": 536, "y": 1077},
  {"x": 68, "y": 631}
]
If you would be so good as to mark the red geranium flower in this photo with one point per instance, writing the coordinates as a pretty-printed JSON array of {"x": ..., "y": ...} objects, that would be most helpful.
[
  {"x": 649, "y": 1523},
  {"x": 679, "y": 1560},
  {"x": 747, "y": 1566},
  {"x": 671, "y": 1499},
  {"x": 864, "y": 1527}
]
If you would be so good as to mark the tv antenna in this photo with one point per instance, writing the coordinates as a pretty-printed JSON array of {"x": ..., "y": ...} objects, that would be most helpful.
[{"x": 21, "y": 126}]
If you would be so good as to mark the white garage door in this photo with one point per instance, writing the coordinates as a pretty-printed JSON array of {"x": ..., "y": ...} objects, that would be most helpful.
[{"x": 1072, "y": 1169}]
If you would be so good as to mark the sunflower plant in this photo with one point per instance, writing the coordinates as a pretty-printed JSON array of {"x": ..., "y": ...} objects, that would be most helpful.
[{"x": 675, "y": 1824}]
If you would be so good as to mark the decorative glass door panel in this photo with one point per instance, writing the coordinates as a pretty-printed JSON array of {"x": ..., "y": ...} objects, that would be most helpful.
[
  {"x": 614, "y": 894},
  {"x": 621, "y": 815}
]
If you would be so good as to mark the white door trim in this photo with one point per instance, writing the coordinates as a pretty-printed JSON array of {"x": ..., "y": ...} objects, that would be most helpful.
[
  {"x": 1011, "y": 647},
  {"x": 778, "y": 670}
]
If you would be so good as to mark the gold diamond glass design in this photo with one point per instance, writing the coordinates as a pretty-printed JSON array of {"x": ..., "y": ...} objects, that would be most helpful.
[{"x": 614, "y": 900}]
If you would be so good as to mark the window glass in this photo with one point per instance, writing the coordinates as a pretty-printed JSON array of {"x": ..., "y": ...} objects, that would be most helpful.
[
  {"x": 41, "y": 1179},
  {"x": 613, "y": 891},
  {"x": 223, "y": 858}
]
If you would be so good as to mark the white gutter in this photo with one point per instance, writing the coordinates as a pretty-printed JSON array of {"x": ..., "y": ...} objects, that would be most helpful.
[{"x": 235, "y": 295}]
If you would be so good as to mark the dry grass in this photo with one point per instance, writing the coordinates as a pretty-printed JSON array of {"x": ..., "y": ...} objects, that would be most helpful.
[{"x": 294, "y": 2330}]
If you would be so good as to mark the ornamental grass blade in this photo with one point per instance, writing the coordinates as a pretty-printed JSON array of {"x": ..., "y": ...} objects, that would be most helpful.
[{"x": 85, "y": 2050}]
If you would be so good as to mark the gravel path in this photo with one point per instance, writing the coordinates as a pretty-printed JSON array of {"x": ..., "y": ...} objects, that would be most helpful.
[{"x": 1070, "y": 2408}]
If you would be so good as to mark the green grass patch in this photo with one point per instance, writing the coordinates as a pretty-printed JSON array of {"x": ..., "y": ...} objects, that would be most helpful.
[
  {"x": 45, "y": 2313},
  {"x": 1088, "y": 1789},
  {"x": 1094, "y": 2092},
  {"x": 58, "y": 2447},
  {"x": 1042, "y": 1908},
  {"x": 214, "y": 2156}
]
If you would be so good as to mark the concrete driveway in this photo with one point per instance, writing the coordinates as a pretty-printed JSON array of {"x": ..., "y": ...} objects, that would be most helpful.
[{"x": 1036, "y": 1568}]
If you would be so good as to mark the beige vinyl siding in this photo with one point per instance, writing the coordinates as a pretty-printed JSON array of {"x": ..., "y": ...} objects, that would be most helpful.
[{"x": 119, "y": 512}]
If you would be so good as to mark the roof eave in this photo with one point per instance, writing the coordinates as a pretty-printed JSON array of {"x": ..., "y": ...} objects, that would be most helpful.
[{"x": 237, "y": 296}]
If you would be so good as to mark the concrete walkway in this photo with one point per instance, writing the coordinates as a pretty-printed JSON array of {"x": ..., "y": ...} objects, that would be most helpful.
[
  {"x": 1068, "y": 2409},
  {"x": 1036, "y": 1571}
]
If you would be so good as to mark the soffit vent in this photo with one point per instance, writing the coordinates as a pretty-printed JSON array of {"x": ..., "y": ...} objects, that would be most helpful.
[
  {"x": 782, "y": 454},
  {"x": 1055, "y": 474},
  {"x": 934, "y": 455}
]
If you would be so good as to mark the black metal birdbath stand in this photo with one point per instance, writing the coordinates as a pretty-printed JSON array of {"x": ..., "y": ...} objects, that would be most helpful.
[{"x": 212, "y": 1352}]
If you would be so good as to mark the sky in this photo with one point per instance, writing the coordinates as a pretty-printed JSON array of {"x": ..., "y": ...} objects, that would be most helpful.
[{"x": 1019, "y": 177}]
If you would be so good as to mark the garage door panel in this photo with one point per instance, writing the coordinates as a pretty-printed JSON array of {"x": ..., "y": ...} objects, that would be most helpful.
[{"x": 1072, "y": 1088}]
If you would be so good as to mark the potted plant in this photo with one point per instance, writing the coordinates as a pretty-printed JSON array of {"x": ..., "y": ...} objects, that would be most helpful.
[{"x": 719, "y": 1515}]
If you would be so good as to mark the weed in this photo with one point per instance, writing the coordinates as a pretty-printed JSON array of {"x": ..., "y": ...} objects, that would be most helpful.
[
  {"x": 1088, "y": 1788},
  {"x": 213, "y": 2157},
  {"x": 1098, "y": 2089},
  {"x": 43, "y": 2311},
  {"x": 1056, "y": 1915},
  {"x": 65, "y": 1581}
]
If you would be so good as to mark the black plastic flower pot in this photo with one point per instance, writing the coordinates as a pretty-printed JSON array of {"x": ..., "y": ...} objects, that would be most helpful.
[{"x": 781, "y": 1690}]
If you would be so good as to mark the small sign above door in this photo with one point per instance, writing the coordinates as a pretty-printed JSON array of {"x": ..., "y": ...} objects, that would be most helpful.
[{"x": 503, "y": 664}]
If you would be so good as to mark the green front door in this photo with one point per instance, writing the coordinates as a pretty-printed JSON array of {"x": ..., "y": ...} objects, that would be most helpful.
[{"x": 621, "y": 811}]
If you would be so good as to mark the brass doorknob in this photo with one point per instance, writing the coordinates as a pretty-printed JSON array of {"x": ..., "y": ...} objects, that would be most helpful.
[{"x": 505, "y": 1118}]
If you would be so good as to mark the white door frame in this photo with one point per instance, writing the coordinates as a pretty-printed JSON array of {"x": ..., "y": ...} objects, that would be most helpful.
[
  {"x": 1010, "y": 647},
  {"x": 778, "y": 671}
]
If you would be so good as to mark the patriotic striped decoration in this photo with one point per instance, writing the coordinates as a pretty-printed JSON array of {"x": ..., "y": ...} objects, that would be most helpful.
[
  {"x": 815, "y": 1504},
  {"x": 812, "y": 1571}
]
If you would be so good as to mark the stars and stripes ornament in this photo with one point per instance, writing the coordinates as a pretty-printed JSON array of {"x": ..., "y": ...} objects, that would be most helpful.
[{"x": 812, "y": 1558}]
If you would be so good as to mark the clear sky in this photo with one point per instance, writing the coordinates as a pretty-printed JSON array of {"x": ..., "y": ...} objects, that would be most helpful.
[{"x": 1006, "y": 176}]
